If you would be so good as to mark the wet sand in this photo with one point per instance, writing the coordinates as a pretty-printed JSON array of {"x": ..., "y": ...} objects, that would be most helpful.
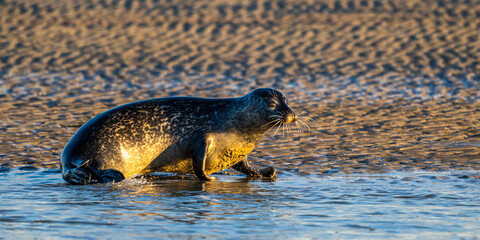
[{"x": 384, "y": 86}]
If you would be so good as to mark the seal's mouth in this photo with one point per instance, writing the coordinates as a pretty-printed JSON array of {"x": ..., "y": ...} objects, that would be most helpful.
[
  {"x": 290, "y": 117},
  {"x": 282, "y": 119}
]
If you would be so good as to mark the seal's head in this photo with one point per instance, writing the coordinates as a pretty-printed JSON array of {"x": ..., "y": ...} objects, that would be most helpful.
[{"x": 271, "y": 107}]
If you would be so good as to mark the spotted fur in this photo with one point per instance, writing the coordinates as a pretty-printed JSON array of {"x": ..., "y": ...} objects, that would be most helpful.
[{"x": 163, "y": 135}]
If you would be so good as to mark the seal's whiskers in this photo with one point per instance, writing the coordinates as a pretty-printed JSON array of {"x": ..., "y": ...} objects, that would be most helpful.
[
  {"x": 288, "y": 127},
  {"x": 279, "y": 123},
  {"x": 299, "y": 128},
  {"x": 273, "y": 121},
  {"x": 276, "y": 122},
  {"x": 302, "y": 123}
]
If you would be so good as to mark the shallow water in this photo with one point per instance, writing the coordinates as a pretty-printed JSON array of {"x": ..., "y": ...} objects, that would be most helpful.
[{"x": 421, "y": 205}]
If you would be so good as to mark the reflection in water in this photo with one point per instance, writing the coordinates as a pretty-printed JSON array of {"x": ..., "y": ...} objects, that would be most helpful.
[
  {"x": 191, "y": 200},
  {"x": 404, "y": 205},
  {"x": 178, "y": 185}
]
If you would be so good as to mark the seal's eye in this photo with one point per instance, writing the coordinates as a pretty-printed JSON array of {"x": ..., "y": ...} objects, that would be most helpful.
[{"x": 272, "y": 104}]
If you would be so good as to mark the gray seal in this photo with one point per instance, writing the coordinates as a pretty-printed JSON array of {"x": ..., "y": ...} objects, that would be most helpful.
[{"x": 184, "y": 135}]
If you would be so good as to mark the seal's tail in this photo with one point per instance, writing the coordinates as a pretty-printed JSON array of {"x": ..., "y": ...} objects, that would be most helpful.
[{"x": 84, "y": 174}]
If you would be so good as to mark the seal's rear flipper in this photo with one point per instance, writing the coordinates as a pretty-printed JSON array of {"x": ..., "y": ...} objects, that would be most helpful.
[
  {"x": 86, "y": 175},
  {"x": 77, "y": 176},
  {"x": 110, "y": 175}
]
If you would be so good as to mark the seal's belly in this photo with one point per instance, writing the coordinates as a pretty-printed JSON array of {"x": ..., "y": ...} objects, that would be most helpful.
[
  {"x": 184, "y": 166},
  {"x": 157, "y": 152},
  {"x": 228, "y": 156},
  {"x": 217, "y": 161}
]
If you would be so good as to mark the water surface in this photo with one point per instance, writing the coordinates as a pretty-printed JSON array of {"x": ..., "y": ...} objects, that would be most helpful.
[{"x": 36, "y": 203}]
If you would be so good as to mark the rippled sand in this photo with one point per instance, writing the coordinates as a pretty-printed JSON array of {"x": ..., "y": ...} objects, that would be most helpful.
[{"x": 383, "y": 85}]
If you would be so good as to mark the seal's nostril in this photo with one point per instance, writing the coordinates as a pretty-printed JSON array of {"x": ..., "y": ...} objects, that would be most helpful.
[{"x": 291, "y": 117}]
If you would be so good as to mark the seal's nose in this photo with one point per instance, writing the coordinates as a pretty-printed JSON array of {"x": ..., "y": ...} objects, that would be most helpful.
[{"x": 291, "y": 117}]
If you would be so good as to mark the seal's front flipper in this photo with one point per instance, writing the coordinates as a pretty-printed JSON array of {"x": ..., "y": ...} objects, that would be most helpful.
[
  {"x": 268, "y": 172},
  {"x": 244, "y": 167},
  {"x": 200, "y": 157}
]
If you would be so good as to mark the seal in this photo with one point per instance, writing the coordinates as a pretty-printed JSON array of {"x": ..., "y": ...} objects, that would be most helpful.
[{"x": 184, "y": 135}]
